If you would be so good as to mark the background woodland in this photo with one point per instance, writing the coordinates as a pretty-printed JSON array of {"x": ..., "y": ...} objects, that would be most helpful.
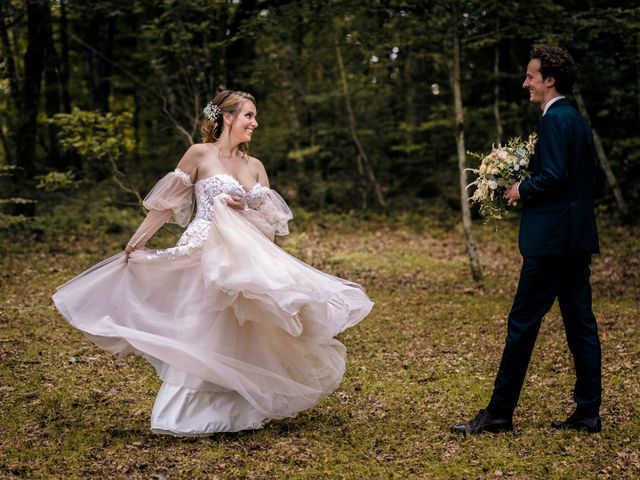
[{"x": 356, "y": 100}]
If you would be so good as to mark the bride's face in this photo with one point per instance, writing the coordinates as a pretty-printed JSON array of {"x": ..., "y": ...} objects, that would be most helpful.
[{"x": 245, "y": 123}]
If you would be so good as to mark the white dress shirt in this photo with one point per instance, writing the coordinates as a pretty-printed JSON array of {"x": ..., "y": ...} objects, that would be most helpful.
[{"x": 551, "y": 102}]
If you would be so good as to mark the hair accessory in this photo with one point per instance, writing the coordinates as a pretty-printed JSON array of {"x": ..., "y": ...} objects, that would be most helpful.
[{"x": 211, "y": 111}]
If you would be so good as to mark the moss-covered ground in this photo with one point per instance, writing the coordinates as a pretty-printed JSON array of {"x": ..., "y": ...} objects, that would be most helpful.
[{"x": 424, "y": 359}]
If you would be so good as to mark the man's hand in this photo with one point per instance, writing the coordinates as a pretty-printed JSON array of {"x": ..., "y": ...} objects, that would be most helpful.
[{"x": 512, "y": 194}]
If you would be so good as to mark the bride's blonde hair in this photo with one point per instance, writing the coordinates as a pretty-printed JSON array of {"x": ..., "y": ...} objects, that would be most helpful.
[{"x": 227, "y": 101}]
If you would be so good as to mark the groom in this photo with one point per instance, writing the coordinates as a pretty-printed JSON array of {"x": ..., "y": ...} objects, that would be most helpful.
[{"x": 557, "y": 237}]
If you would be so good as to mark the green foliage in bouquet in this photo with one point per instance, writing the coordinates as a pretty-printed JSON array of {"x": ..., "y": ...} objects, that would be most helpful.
[{"x": 498, "y": 170}]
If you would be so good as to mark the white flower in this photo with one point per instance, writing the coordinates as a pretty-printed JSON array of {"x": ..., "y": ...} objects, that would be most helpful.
[
  {"x": 503, "y": 166},
  {"x": 211, "y": 111}
]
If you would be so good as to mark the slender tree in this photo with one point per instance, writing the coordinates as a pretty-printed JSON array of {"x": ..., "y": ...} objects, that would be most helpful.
[
  {"x": 460, "y": 146},
  {"x": 38, "y": 26},
  {"x": 496, "y": 87},
  {"x": 364, "y": 164},
  {"x": 603, "y": 160},
  {"x": 52, "y": 94},
  {"x": 64, "y": 58}
]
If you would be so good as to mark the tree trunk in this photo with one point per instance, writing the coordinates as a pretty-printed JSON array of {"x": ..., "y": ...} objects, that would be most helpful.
[
  {"x": 464, "y": 198},
  {"x": 136, "y": 127},
  {"x": 38, "y": 14},
  {"x": 106, "y": 69},
  {"x": 362, "y": 157},
  {"x": 638, "y": 75},
  {"x": 602, "y": 157},
  {"x": 289, "y": 90},
  {"x": 241, "y": 50},
  {"x": 97, "y": 59},
  {"x": 291, "y": 98},
  {"x": 64, "y": 58},
  {"x": 496, "y": 90},
  {"x": 51, "y": 94},
  {"x": 410, "y": 98},
  {"x": 6, "y": 144},
  {"x": 9, "y": 59},
  {"x": 14, "y": 87}
]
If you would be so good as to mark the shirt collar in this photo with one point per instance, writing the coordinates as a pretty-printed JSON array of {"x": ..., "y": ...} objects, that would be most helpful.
[{"x": 551, "y": 102}]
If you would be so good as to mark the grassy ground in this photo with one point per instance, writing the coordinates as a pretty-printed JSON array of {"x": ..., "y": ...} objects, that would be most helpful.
[{"x": 424, "y": 359}]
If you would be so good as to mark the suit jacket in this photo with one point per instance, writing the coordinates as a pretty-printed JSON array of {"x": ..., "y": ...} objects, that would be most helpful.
[{"x": 557, "y": 201}]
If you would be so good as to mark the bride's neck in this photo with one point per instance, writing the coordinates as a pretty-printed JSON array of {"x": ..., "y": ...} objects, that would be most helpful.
[{"x": 227, "y": 149}]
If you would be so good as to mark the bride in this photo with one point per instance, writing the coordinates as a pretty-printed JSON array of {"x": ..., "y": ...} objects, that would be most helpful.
[{"x": 239, "y": 331}]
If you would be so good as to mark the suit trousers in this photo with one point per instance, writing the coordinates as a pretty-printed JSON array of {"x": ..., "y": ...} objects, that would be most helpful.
[{"x": 542, "y": 280}]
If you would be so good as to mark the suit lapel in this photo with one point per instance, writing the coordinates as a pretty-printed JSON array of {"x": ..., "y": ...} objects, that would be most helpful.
[{"x": 556, "y": 104}]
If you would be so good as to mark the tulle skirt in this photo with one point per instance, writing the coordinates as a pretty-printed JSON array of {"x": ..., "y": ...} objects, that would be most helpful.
[{"x": 239, "y": 331}]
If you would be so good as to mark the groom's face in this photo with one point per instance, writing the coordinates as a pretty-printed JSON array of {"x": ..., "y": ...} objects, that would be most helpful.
[{"x": 537, "y": 86}]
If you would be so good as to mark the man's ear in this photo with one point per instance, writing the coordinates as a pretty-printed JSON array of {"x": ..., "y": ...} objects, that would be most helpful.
[{"x": 550, "y": 81}]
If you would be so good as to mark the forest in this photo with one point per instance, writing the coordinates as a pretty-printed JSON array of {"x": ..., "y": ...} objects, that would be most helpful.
[
  {"x": 369, "y": 114},
  {"x": 356, "y": 99}
]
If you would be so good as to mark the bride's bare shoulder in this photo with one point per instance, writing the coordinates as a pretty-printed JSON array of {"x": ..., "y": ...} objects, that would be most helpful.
[
  {"x": 193, "y": 157},
  {"x": 259, "y": 170},
  {"x": 254, "y": 162},
  {"x": 200, "y": 150}
]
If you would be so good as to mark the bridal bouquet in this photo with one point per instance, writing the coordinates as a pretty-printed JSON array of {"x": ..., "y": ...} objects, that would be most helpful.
[{"x": 505, "y": 165}]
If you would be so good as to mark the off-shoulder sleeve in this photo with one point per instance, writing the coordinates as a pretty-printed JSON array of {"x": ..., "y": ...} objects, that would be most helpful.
[
  {"x": 268, "y": 212},
  {"x": 173, "y": 192}
]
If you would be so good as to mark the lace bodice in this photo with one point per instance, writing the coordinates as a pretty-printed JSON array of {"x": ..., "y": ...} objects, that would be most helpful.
[
  {"x": 209, "y": 188},
  {"x": 171, "y": 200},
  {"x": 265, "y": 209}
]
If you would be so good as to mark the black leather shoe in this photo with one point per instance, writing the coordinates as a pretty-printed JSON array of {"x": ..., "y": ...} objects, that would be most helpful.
[
  {"x": 577, "y": 422},
  {"x": 484, "y": 422}
]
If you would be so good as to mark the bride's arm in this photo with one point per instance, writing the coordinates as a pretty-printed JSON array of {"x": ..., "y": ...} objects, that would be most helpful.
[
  {"x": 147, "y": 229},
  {"x": 170, "y": 198},
  {"x": 191, "y": 159},
  {"x": 263, "y": 178},
  {"x": 267, "y": 210}
]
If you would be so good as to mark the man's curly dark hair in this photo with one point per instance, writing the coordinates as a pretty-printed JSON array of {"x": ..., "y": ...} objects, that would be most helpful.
[{"x": 557, "y": 63}]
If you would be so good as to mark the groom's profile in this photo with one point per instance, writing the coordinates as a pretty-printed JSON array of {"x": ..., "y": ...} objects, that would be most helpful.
[{"x": 556, "y": 239}]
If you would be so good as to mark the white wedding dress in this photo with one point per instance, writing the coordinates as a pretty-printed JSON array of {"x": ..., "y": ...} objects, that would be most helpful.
[{"x": 239, "y": 331}]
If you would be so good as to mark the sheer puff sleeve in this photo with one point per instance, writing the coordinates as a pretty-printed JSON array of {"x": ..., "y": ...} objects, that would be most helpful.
[
  {"x": 170, "y": 200},
  {"x": 268, "y": 212},
  {"x": 173, "y": 192}
]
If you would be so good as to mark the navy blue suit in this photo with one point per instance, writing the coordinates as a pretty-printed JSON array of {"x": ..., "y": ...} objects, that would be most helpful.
[{"x": 557, "y": 237}]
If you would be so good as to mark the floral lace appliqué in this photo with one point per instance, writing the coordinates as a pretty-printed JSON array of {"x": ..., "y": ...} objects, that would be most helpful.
[
  {"x": 205, "y": 191},
  {"x": 183, "y": 176}
]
